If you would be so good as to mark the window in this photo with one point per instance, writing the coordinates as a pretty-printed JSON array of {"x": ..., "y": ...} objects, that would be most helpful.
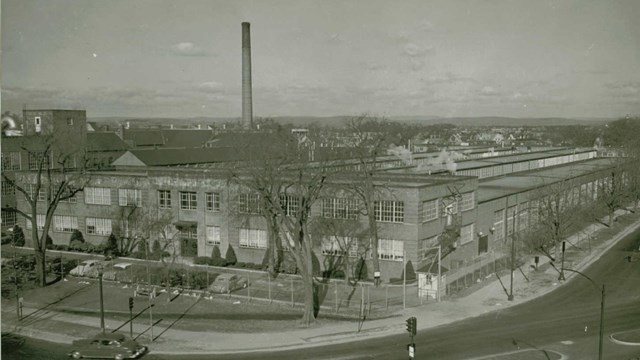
[
  {"x": 97, "y": 196},
  {"x": 9, "y": 218},
  {"x": 188, "y": 200},
  {"x": 64, "y": 223},
  {"x": 425, "y": 246},
  {"x": 37, "y": 120},
  {"x": 71, "y": 200},
  {"x": 498, "y": 224},
  {"x": 511, "y": 218},
  {"x": 390, "y": 249},
  {"x": 468, "y": 201},
  {"x": 98, "y": 226},
  {"x": 70, "y": 121},
  {"x": 249, "y": 203},
  {"x": 429, "y": 210},
  {"x": 164, "y": 199},
  {"x": 36, "y": 158},
  {"x": 466, "y": 234},
  {"x": 253, "y": 238},
  {"x": 523, "y": 217},
  {"x": 340, "y": 208},
  {"x": 10, "y": 160},
  {"x": 213, "y": 201},
  {"x": 40, "y": 196},
  {"x": 40, "y": 219},
  {"x": 213, "y": 235},
  {"x": 189, "y": 233},
  {"x": 289, "y": 204},
  {"x": 534, "y": 211},
  {"x": 130, "y": 197},
  {"x": 389, "y": 211},
  {"x": 340, "y": 246},
  {"x": 8, "y": 189}
]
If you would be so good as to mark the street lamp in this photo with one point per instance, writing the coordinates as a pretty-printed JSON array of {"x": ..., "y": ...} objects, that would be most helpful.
[
  {"x": 601, "y": 310},
  {"x": 100, "y": 271}
]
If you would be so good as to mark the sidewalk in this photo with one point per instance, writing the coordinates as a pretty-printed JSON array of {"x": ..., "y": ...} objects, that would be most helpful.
[{"x": 62, "y": 327}]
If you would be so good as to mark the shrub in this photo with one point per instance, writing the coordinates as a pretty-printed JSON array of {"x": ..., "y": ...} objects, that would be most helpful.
[
  {"x": 82, "y": 246},
  {"x": 230, "y": 256},
  {"x": 18, "y": 236},
  {"x": 215, "y": 253},
  {"x": 111, "y": 247},
  {"x": 157, "y": 249},
  {"x": 201, "y": 260},
  {"x": 76, "y": 235},
  {"x": 198, "y": 280},
  {"x": 48, "y": 242}
]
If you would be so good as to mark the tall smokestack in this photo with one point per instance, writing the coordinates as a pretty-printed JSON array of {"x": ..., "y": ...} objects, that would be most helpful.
[{"x": 247, "y": 107}]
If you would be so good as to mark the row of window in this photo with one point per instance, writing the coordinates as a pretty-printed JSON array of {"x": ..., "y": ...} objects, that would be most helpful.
[
  {"x": 433, "y": 209},
  {"x": 248, "y": 238}
]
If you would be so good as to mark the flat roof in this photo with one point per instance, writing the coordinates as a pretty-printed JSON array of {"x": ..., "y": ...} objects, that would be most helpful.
[{"x": 494, "y": 188}]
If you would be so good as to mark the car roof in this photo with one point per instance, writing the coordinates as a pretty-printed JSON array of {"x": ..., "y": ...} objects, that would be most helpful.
[
  {"x": 225, "y": 276},
  {"x": 90, "y": 261},
  {"x": 122, "y": 265}
]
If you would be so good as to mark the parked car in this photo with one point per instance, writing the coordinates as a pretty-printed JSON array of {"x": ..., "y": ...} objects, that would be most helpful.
[
  {"x": 118, "y": 272},
  {"x": 145, "y": 290},
  {"x": 111, "y": 345},
  {"x": 226, "y": 283},
  {"x": 85, "y": 267}
]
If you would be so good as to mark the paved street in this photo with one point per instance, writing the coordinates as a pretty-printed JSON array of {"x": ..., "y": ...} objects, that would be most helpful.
[{"x": 564, "y": 322}]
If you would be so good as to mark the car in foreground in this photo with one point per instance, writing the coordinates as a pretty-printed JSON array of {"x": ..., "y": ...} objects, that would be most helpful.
[
  {"x": 85, "y": 267},
  {"x": 226, "y": 283},
  {"x": 118, "y": 272},
  {"x": 110, "y": 346}
]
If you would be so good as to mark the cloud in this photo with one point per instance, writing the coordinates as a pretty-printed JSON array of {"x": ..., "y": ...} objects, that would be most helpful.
[
  {"x": 489, "y": 91},
  {"x": 416, "y": 54},
  {"x": 188, "y": 49},
  {"x": 448, "y": 78},
  {"x": 210, "y": 87}
]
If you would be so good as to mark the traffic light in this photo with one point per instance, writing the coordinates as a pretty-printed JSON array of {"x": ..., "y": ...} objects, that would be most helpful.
[
  {"x": 130, "y": 303},
  {"x": 411, "y": 325}
]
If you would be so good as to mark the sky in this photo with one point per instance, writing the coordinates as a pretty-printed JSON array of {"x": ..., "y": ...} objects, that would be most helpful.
[{"x": 450, "y": 58}]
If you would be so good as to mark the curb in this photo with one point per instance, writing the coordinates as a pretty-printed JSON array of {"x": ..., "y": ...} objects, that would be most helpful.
[{"x": 622, "y": 342}]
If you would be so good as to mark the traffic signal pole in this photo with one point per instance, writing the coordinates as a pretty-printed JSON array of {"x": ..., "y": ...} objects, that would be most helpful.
[
  {"x": 412, "y": 324},
  {"x": 131, "y": 317}
]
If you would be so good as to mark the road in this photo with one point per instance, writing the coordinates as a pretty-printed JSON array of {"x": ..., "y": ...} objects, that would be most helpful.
[{"x": 565, "y": 321}]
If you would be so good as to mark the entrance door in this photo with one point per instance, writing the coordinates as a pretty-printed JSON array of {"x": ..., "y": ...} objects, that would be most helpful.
[{"x": 483, "y": 244}]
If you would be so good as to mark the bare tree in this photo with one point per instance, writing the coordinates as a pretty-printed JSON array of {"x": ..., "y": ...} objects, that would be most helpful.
[
  {"x": 281, "y": 185},
  {"x": 613, "y": 189},
  {"x": 370, "y": 142},
  {"x": 58, "y": 174},
  {"x": 556, "y": 211}
]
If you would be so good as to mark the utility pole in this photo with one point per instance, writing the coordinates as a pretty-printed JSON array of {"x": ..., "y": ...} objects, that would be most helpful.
[
  {"x": 513, "y": 252},
  {"x": 404, "y": 279},
  {"x": 101, "y": 298},
  {"x": 562, "y": 265}
]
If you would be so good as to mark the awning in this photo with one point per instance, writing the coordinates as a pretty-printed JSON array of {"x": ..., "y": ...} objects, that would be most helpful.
[{"x": 183, "y": 224}]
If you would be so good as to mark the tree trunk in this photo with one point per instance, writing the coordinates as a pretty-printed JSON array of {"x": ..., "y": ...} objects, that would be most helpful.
[
  {"x": 41, "y": 272},
  {"x": 611, "y": 218},
  {"x": 374, "y": 242},
  {"x": 308, "y": 315},
  {"x": 373, "y": 232}
]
